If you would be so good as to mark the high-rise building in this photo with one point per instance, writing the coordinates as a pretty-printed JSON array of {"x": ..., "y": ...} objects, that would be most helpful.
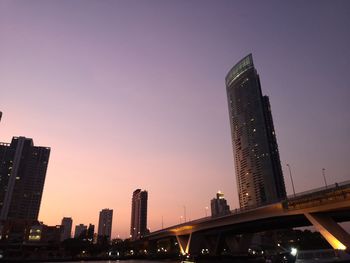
[
  {"x": 257, "y": 162},
  {"x": 138, "y": 214},
  {"x": 219, "y": 206},
  {"x": 80, "y": 231},
  {"x": 22, "y": 175},
  {"x": 67, "y": 228},
  {"x": 105, "y": 224}
]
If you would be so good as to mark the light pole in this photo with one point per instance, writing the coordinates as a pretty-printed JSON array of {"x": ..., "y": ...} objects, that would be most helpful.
[
  {"x": 206, "y": 211},
  {"x": 291, "y": 178},
  {"x": 324, "y": 176},
  {"x": 185, "y": 214}
]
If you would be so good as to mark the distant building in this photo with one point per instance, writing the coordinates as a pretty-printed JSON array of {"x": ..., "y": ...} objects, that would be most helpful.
[
  {"x": 257, "y": 162},
  {"x": 90, "y": 233},
  {"x": 80, "y": 231},
  {"x": 22, "y": 175},
  {"x": 67, "y": 228},
  {"x": 219, "y": 206},
  {"x": 105, "y": 224},
  {"x": 15, "y": 230},
  {"x": 40, "y": 233},
  {"x": 138, "y": 214}
]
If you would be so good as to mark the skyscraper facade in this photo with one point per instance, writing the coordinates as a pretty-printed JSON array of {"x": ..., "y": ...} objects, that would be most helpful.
[
  {"x": 138, "y": 214},
  {"x": 105, "y": 224},
  {"x": 257, "y": 162},
  {"x": 67, "y": 228},
  {"x": 22, "y": 175}
]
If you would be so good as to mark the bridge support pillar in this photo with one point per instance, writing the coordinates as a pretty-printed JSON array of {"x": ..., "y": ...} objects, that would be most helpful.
[
  {"x": 213, "y": 243},
  {"x": 184, "y": 242},
  {"x": 239, "y": 244},
  {"x": 336, "y": 236}
]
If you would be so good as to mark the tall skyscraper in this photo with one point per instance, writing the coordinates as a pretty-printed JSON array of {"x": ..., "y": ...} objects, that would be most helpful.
[
  {"x": 138, "y": 214},
  {"x": 22, "y": 175},
  {"x": 257, "y": 162},
  {"x": 67, "y": 228},
  {"x": 219, "y": 206},
  {"x": 105, "y": 224}
]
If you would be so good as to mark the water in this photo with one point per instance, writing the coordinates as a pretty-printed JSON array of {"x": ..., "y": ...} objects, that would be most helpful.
[{"x": 125, "y": 261}]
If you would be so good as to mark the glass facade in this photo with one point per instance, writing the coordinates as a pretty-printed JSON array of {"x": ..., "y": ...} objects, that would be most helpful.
[
  {"x": 257, "y": 164},
  {"x": 22, "y": 175}
]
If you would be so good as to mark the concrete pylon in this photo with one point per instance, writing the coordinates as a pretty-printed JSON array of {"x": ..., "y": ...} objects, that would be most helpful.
[
  {"x": 239, "y": 244},
  {"x": 212, "y": 243},
  {"x": 232, "y": 243},
  {"x": 336, "y": 236},
  {"x": 184, "y": 243}
]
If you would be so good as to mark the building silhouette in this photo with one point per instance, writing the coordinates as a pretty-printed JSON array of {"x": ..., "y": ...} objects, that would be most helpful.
[
  {"x": 22, "y": 175},
  {"x": 66, "y": 224},
  {"x": 138, "y": 214},
  {"x": 219, "y": 206},
  {"x": 42, "y": 234},
  {"x": 105, "y": 224},
  {"x": 80, "y": 231},
  {"x": 257, "y": 163},
  {"x": 90, "y": 233}
]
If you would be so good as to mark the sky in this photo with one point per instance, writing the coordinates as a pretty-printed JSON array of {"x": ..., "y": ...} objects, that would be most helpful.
[{"x": 131, "y": 94}]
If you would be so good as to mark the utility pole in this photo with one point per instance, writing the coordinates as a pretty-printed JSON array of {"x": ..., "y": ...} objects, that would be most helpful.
[
  {"x": 291, "y": 178},
  {"x": 324, "y": 176},
  {"x": 185, "y": 214}
]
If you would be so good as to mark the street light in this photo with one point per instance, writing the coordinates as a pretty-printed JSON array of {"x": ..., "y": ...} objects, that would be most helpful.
[
  {"x": 291, "y": 178},
  {"x": 185, "y": 213},
  {"x": 206, "y": 211},
  {"x": 324, "y": 176}
]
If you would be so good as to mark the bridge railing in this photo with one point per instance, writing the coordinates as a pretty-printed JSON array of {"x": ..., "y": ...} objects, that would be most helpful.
[
  {"x": 321, "y": 189},
  {"x": 324, "y": 195},
  {"x": 331, "y": 193}
]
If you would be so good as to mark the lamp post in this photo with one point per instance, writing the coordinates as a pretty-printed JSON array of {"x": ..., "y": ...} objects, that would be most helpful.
[
  {"x": 206, "y": 211},
  {"x": 184, "y": 213},
  {"x": 291, "y": 178},
  {"x": 324, "y": 176}
]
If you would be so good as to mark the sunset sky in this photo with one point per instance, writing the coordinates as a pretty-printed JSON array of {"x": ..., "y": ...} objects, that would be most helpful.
[{"x": 131, "y": 94}]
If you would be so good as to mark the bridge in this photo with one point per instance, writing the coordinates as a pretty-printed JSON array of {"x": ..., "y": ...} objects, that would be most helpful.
[{"x": 323, "y": 208}]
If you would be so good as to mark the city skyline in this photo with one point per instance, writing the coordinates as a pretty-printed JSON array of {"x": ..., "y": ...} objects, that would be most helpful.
[{"x": 127, "y": 103}]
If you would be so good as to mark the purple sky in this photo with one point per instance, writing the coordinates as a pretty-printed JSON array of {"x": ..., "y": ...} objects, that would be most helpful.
[{"x": 131, "y": 94}]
